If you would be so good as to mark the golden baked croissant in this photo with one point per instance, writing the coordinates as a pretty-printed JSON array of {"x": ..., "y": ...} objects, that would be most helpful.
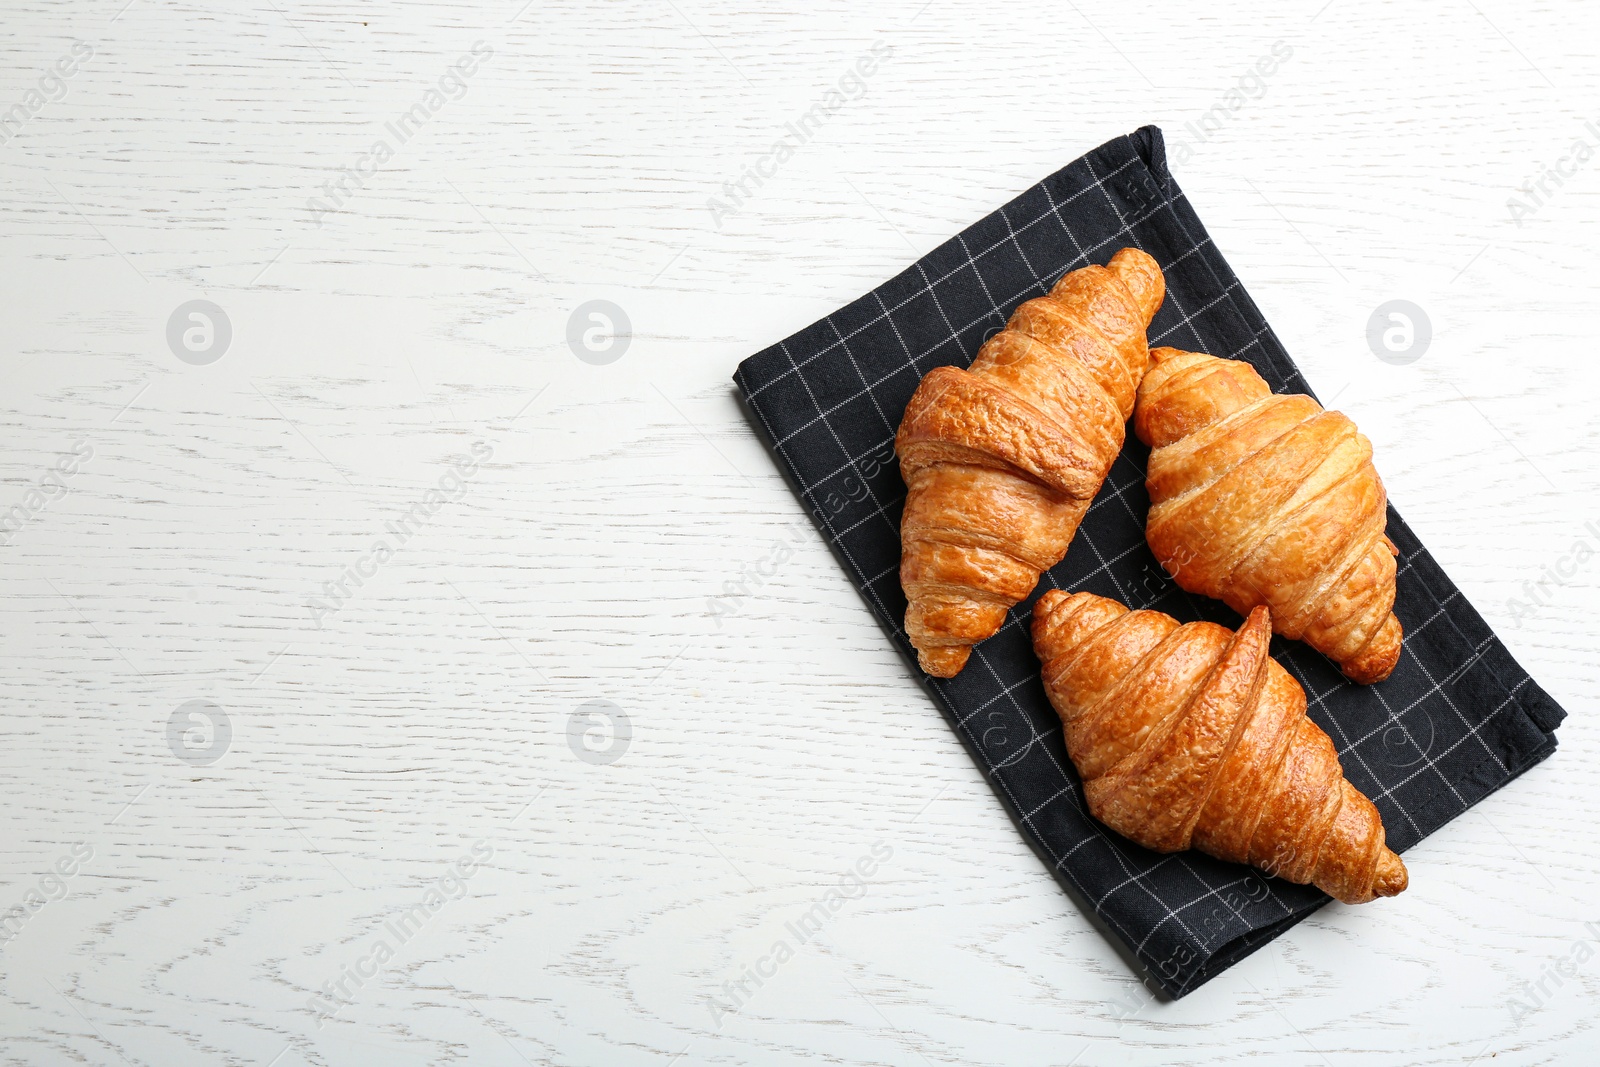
[
  {"x": 1264, "y": 498},
  {"x": 1001, "y": 460},
  {"x": 1194, "y": 737}
]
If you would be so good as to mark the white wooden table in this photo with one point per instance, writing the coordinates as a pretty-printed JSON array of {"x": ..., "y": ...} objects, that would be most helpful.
[{"x": 415, "y": 762}]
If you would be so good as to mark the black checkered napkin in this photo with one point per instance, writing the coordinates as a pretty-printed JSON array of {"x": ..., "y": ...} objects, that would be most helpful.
[{"x": 1458, "y": 719}]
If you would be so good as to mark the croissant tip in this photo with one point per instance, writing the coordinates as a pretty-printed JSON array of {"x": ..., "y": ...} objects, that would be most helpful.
[
  {"x": 1047, "y": 603},
  {"x": 1059, "y": 604},
  {"x": 1391, "y": 877},
  {"x": 1378, "y": 659},
  {"x": 1366, "y": 677},
  {"x": 944, "y": 661},
  {"x": 1256, "y": 628}
]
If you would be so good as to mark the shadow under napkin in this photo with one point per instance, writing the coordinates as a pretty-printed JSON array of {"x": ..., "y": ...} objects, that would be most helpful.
[{"x": 1458, "y": 719}]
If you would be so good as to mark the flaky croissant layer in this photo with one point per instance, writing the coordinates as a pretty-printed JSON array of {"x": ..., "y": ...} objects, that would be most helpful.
[
  {"x": 1261, "y": 498},
  {"x": 1002, "y": 460},
  {"x": 1192, "y": 736}
]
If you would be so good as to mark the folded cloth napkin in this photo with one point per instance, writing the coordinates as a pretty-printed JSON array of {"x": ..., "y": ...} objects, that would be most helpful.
[{"x": 1458, "y": 719}]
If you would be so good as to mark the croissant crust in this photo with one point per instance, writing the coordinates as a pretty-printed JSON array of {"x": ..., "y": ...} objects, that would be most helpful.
[
  {"x": 1192, "y": 736},
  {"x": 1002, "y": 460},
  {"x": 1259, "y": 498}
]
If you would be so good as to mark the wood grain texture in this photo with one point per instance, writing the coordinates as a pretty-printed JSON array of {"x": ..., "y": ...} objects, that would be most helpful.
[{"x": 774, "y": 744}]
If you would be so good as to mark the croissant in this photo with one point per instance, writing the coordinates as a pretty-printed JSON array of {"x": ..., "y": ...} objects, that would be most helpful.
[
  {"x": 1262, "y": 498},
  {"x": 1194, "y": 737},
  {"x": 1002, "y": 460}
]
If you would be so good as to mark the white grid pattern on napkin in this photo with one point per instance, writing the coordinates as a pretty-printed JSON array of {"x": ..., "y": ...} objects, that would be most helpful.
[{"x": 1138, "y": 875}]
